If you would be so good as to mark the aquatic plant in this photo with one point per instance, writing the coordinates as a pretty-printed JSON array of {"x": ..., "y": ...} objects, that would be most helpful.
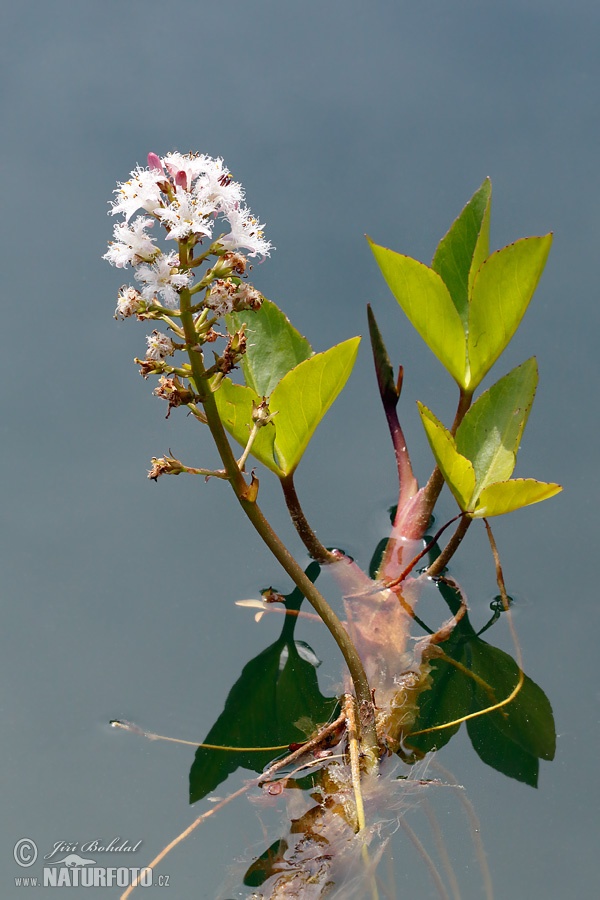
[{"x": 233, "y": 360}]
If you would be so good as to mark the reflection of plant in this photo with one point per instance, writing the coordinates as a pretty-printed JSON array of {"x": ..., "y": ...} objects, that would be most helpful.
[{"x": 466, "y": 306}]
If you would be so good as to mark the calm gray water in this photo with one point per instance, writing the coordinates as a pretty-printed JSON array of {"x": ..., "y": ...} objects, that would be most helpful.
[{"x": 339, "y": 119}]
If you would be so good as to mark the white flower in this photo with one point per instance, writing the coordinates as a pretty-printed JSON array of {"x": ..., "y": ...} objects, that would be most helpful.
[
  {"x": 131, "y": 244},
  {"x": 187, "y": 215},
  {"x": 140, "y": 192},
  {"x": 159, "y": 346},
  {"x": 246, "y": 233},
  {"x": 184, "y": 164},
  {"x": 216, "y": 184},
  {"x": 187, "y": 193},
  {"x": 208, "y": 178},
  {"x": 129, "y": 301},
  {"x": 163, "y": 279}
]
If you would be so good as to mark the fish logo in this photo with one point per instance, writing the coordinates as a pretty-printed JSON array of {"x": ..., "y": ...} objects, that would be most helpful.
[{"x": 72, "y": 861}]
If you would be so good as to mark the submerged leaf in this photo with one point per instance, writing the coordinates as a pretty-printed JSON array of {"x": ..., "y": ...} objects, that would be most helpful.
[
  {"x": 275, "y": 690},
  {"x": 527, "y": 720},
  {"x": 511, "y": 739},
  {"x": 492, "y": 747},
  {"x": 276, "y": 694},
  {"x": 471, "y": 677},
  {"x": 449, "y": 699},
  {"x": 269, "y": 863}
]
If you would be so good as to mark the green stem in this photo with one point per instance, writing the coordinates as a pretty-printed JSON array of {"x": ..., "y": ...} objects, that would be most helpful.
[{"x": 270, "y": 538}]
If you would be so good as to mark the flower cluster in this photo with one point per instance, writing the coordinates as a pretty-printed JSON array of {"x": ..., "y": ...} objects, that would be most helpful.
[
  {"x": 190, "y": 195},
  {"x": 187, "y": 193}
]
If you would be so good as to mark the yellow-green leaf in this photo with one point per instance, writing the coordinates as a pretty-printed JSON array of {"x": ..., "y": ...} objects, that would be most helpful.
[
  {"x": 491, "y": 431},
  {"x": 506, "y": 496},
  {"x": 428, "y": 305},
  {"x": 500, "y": 295},
  {"x": 304, "y": 395},
  {"x": 457, "y": 470},
  {"x": 234, "y": 402}
]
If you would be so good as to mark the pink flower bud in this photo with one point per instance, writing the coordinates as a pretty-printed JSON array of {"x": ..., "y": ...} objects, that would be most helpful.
[
  {"x": 154, "y": 162},
  {"x": 181, "y": 179}
]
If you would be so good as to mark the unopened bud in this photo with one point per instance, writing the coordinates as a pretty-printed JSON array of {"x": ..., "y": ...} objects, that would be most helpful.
[
  {"x": 154, "y": 162},
  {"x": 181, "y": 180}
]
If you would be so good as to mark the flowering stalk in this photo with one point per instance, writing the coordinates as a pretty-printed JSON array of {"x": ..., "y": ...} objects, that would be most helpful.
[
  {"x": 247, "y": 499},
  {"x": 188, "y": 194}
]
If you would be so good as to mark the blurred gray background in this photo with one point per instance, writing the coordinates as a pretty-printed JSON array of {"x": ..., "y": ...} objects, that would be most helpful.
[{"x": 339, "y": 118}]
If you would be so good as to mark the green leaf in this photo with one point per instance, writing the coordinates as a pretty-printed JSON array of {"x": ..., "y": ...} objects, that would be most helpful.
[
  {"x": 477, "y": 463},
  {"x": 490, "y": 433},
  {"x": 506, "y": 496},
  {"x": 304, "y": 395},
  {"x": 276, "y": 690},
  {"x": 486, "y": 295},
  {"x": 449, "y": 698},
  {"x": 298, "y": 404},
  {"x": 471, "y": 677},
  {"x": 269, "y": 863},
  {"x": 274, "y": 347},
  {"x": 428, "y": 305},
  {"x": 500, "y": 295},
  {"x": 495, "y": 750},
  {"x": 458, "y": 471},
  {"x": 465, "y": 245},
  {"x": 526, "y": 721},
  {"x": 482, "y": 247},
  {"x": 234, "y": 403}
]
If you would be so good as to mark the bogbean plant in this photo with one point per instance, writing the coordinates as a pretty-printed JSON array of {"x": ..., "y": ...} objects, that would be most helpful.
[{"x": 231, "y": 357}]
